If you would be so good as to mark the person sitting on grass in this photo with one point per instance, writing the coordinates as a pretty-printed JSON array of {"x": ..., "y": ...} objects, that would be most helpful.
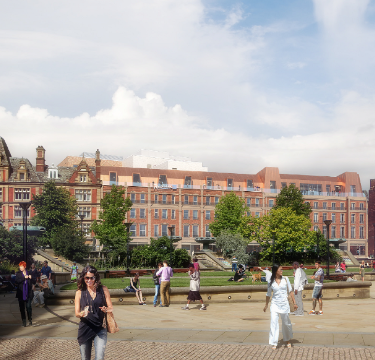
[
  {"x": 194, "y": 293},
  {"x": 240, "y": 274},
  {"x": 134, "y": 282}
]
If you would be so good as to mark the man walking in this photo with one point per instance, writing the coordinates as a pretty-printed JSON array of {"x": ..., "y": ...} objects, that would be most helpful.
[
  {"x": 165, "y": 277},
  {"x": 300, "y": 280},
  {"x": 157, "y": 284},
  {"x": 318, "y": 287}
]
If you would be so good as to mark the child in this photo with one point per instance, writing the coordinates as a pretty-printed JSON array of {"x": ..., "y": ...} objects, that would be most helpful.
[
  {"x": 194, "y": 288},
  {"x": 196, "y": 264}
]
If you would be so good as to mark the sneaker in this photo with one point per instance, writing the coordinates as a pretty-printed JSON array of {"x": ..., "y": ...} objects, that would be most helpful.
[
  {"x": 299, "y": 315},
  {"x": 312, "y": 312},
  {"x": 36, "y": 305},
  {"x": 319, "y": 313},
  {"x": 292, "y": 313},
  {"x": 203, "y": 308},
  {"x": 161, "y": 305},
  {"x": 185, "y": 308},
  {"x": 42, "y": 305},
  {"x": 154, "y": 305}
]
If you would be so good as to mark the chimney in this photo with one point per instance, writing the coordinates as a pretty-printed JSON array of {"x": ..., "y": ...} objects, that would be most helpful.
[
  {"x": 40, "y": 159},
  {"x": 97, "y": 164}
]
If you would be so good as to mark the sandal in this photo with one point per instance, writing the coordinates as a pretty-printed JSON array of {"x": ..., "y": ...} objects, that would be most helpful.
[
  {"x": 289, "y": 345},
  {"x": 274, "y": 347}
]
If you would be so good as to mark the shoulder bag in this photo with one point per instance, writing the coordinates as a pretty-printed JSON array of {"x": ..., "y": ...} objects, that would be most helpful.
[{"x": 109, "y": 321}]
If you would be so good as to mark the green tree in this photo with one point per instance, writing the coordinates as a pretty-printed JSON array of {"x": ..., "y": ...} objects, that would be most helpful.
[
  {"x": 233, "y": 245},
  {"x": 69, "y": 242},
  {"x": 291, "y": 197},
  {"x": 292, "y": 233},
  {"x": 111, "y": 229},
  {"x": 229, "y": 215},
  {"x": 55, "y": 209}
]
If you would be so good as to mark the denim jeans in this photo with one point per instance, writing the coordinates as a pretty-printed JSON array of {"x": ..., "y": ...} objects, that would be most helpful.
[
  {"x": 234, "y": 267},
  {"x": 100, "y": 341},
  {"x": 157, "y": 293}
]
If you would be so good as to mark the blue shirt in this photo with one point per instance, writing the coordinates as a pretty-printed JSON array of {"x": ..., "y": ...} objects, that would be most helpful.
[{"x": 46, "y": 271}]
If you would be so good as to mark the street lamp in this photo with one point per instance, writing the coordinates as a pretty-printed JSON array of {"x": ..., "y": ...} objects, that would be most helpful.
[
  {"x": 128, "y": 224},
  {"x": 328, "y": 223},
  {"x": 171, "y": 230},
  {"x": 81, "y": 216},
  {"x": 24, "y": 206}
]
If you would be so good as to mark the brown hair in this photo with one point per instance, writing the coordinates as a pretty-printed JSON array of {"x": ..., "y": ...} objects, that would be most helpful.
[{"x": 81, "y": 284}]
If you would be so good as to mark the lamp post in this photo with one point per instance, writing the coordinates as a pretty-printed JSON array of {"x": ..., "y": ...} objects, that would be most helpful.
[
  {"x": 328, "y": 223},
  {"x": 81, "y": 216},
  {"x": 171, "y": 230},
  {"x": 24, "y": 206},
  {"x": 128, "y": 224}
]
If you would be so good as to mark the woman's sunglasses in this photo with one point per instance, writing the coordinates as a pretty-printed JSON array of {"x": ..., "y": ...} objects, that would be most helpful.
[{"x": 89, "y": 278}]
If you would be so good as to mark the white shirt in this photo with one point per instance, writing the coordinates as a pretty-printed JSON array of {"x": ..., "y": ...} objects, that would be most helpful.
[
  {"x": 268, "y": 275},
  {"x": 279, "y": 302},
  {"x": 298, "y": 284}
]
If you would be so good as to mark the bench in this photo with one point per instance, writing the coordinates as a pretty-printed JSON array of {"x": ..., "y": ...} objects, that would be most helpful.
[{"x": 338, "y": 276}]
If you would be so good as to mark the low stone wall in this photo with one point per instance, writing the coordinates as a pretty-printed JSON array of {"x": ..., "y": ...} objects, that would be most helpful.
[{"x": 228, "y": 294}]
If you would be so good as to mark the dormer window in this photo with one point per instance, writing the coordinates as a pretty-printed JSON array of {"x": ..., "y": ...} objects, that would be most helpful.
[
  {"x": 83, "y": 178},
  {"x": 22, "y": 172},
  {"x": 53, "y": 172},
  {"x": 22, "y": 176}
]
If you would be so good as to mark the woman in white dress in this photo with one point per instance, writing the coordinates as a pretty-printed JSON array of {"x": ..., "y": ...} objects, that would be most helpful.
[{"x": 281, "y": 288}]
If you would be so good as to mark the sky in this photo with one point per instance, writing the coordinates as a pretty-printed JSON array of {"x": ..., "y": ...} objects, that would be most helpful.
[{"x": 238, "y": 85}]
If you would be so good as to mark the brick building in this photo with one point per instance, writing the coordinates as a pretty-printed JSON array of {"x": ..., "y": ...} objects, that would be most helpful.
[
  {"x": 371, "y": 219},
  {"x": 20, "y": 180},
  {"x": 186, "y": 201}
]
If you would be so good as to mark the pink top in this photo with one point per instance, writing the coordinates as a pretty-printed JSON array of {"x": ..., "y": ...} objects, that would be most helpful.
[
  {"x": 196, "y": 266},
  {"x": 166, "y": 273}
]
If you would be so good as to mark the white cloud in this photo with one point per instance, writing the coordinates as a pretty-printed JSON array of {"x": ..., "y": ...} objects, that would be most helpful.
[{"x": 296, "y": 65}]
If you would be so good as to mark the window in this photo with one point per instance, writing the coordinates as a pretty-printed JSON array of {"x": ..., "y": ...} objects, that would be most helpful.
[
  {"x": 188, "y": 182},
  {"x": 361, "y": 233},
  {"x": 208, "y": 215},
  {"x": 324, "y": 205},
  {"x": 316, "y": 227},
  {"x": 136, "y": 179},
  {"x": 342, "y": 218},
  {"x": 164, "y": 199},
  {"x": 315, "y": 205},
  {"x": 1, "y": 194},
  {"x": 208, "y": 232},
  {"x": 186, "y": 230},
  {"x": 142, "y": 213},
  {"x": 324, "y": 217},
  {"x": 163, "y": 180},
  {"x": 333, "y": 206},
  {"x": 207, "y": 200},
  {"x": 1, "y": 211},
  {"x": 342, "y": 231},
  {"x": 352, "y": 206},
  {"x": 164, "y": 230},
  {"x": 342, "y": 206},
  {"x": 361, "y": 206},
  {"x": 229, "y": 183},
  {"x": 142, "y": 230},
  {"x": 156, "y": 198},
  {"x": 84, "y": 210},
  {"x": 195, "y": 214},
  {"x": 333, "y": 232},
  {"x": 186, "y": 214},
  {"x": 209, "y": 182},
  {"x": 250, "y": 184},
  {"x": 133, "y": 230},
  {"x": 133, "y": 213},
  {"x": 22, "y": 194},
  {"x": 361, "y": 218},
  {"x": 173, "y": 215},
  {"x": 333, "y": 216},
  {"x": 86, "y": 229},
  {"x": 164, "y": 214},
  {"x": 270, "y": 202},
  {"x": 173, "y": 199},
  {"x": 186, "y": 199},
  {"x": 216, "y": 200},
  {"x": 352, "y": 232},
  {"x": 83, "y": 195},
  {"x": 18, "y": 212},
  {"x": 156, "y": 213},
  {"x": 273, "y": 185},
  {"x": 82, "y": 178},
  {"x": 256, "y": 202},
  {"x": 112, "y": 178},
  {"x": 310, "y": 188},
  {"x": 316, "y": 217},
  {"x": 248, "y": 202},
  {"x": 328, "y": 188},
  {"x": 195, "y": 200},
  {"x": 132, "y": 198},
  {"x": 195, "y": 230},
  {"x": 352, "y": 189},
  {"x": 257, "y": 214},
  {"x": 52, "y": 174},
  {"x": 156, "y": 230},
  {"x": 352, "y": 218},
  {"x": 283, "y": 185},
  {"x": 143, "y": 198},
  {"x": 325, "y": 231}
]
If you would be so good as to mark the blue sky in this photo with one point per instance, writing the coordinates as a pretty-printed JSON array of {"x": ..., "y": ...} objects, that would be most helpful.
[{"x": 237, "y": 85}]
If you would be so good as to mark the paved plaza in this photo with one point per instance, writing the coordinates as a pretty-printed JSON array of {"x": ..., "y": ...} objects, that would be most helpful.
[{"x": 229, "y": 330}]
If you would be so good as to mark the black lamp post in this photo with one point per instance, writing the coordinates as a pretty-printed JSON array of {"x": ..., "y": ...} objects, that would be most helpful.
[
  {"x": 128, "y": 224},
  {"x": 328, "y": 223},
  {"x": 25, "y": 206},
  {"x": 81, "y": 216},
  {"x": 171, "y": 230}
]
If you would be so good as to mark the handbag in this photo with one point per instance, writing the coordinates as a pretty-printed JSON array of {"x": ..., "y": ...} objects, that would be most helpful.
[{"x": 109, "y": 321}]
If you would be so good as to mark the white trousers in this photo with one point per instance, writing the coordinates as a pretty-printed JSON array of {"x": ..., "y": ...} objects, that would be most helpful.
[
  {"x": 299, "y": 303},
  {"x": 38, "y": 297},
  {"x": 274, "y": 329}
]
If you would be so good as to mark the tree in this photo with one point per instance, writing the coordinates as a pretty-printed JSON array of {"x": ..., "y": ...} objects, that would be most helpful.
[
  {"x": 111, "y": 229},
  {"x": 69, "y": 242},
  {"x": 292, "y": 233},
  {"x": 55, "y": 209},
  {"x": 233, "y": 245},
  {"x": 229, "y": 215},
  {"x": 291, "y": 197},
  {"x": 11, "y": 245}
]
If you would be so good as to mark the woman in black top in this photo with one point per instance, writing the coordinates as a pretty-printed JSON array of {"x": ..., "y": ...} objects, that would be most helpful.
[
  {"x": 24, "y": 292},
  {"x": 92, "y": 301}
]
